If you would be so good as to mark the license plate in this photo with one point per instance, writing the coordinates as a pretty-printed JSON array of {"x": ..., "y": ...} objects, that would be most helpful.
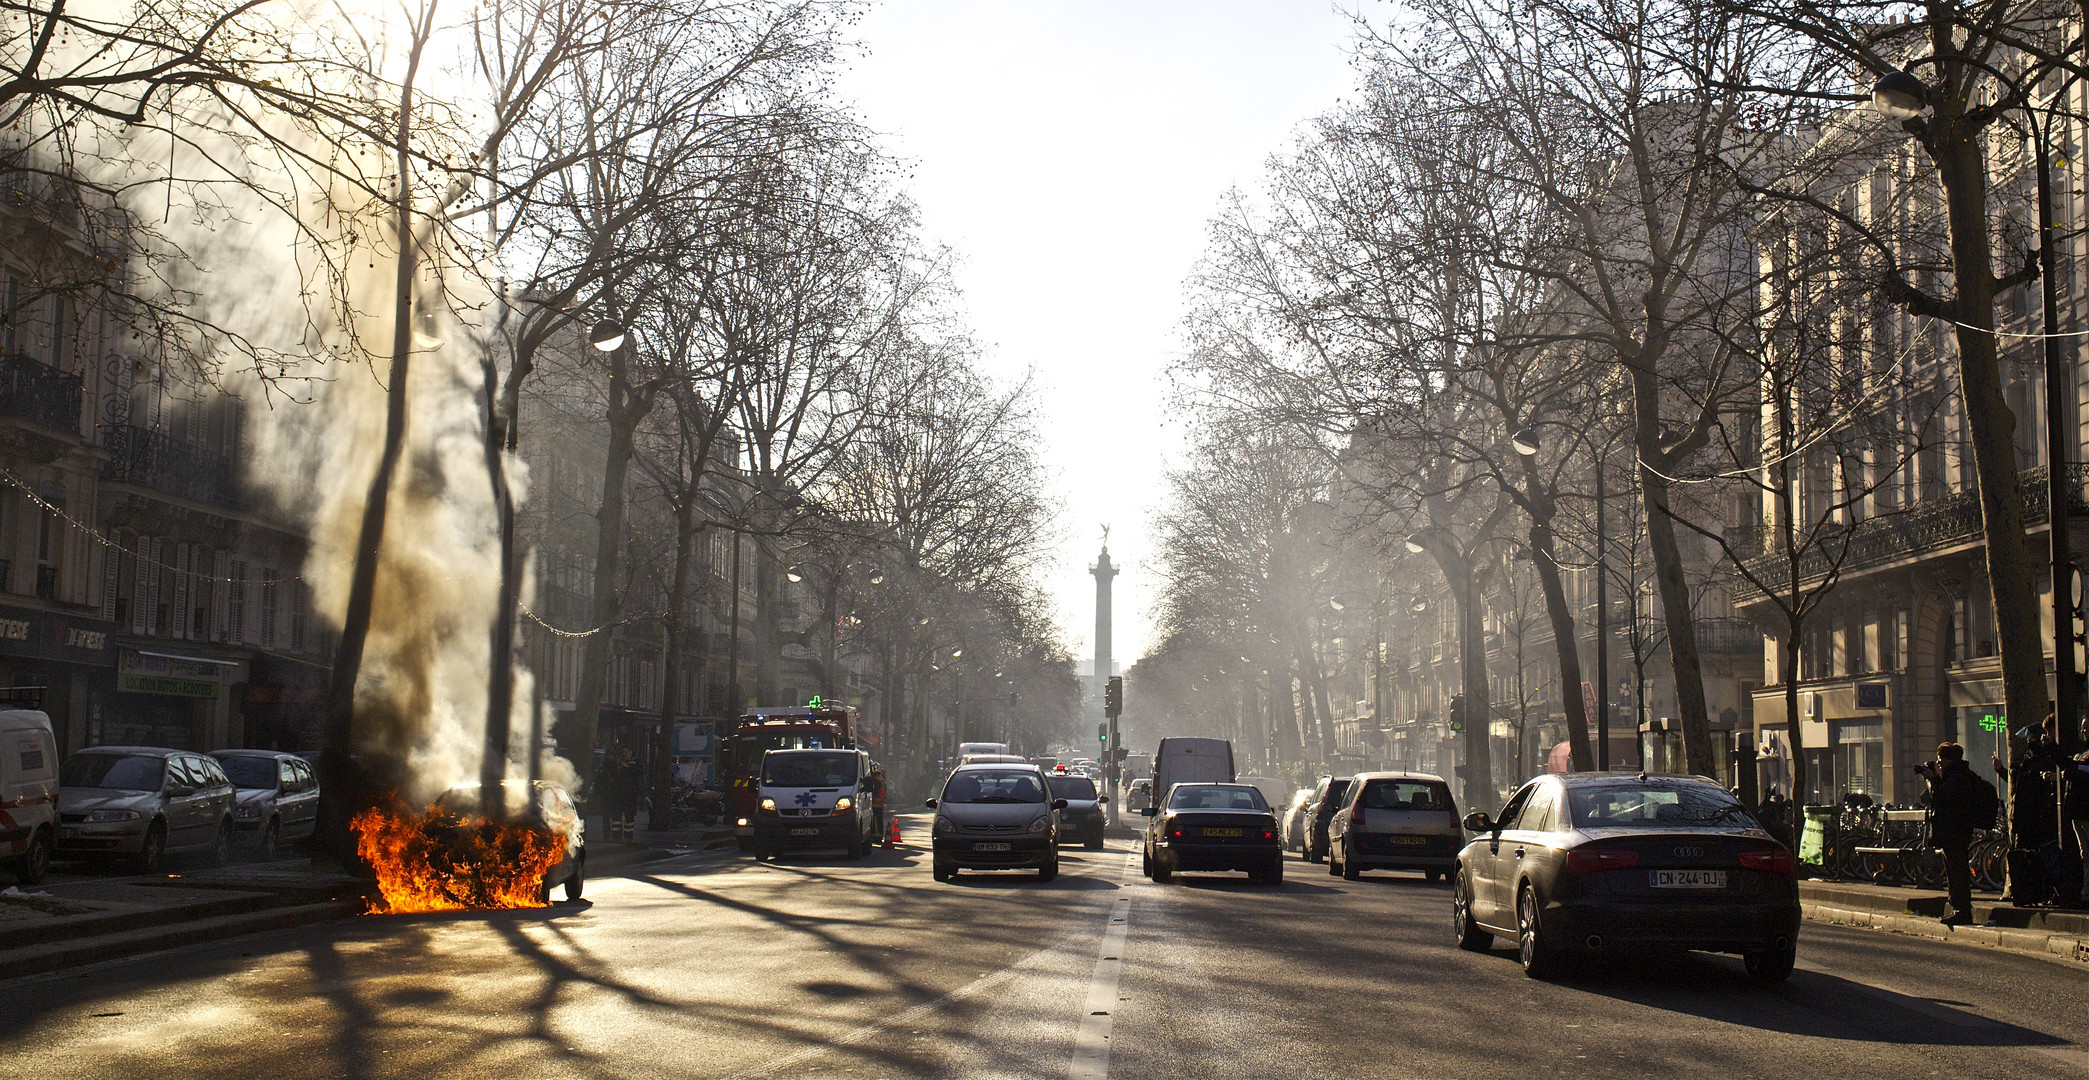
[
  {"x": 1222, "y": 832},
  {"x": 991, "y": 845},
  {"x": 1410, "y": 839},
  {"x": 805, "y": 832},
  {"x": 1688, "y": 879},
  {"x": 68, "y": 831}
]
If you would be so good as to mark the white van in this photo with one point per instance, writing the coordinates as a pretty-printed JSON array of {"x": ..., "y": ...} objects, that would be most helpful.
[
  {"x": 967, "y": 749},
  {"x": 815, "y": 799},
  {"x": 28, "y": 793},
  {"x": 1190, "y": 761}
]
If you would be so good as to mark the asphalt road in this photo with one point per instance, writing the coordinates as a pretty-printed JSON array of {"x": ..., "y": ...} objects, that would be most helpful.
[{"x": 821, "y": 968}]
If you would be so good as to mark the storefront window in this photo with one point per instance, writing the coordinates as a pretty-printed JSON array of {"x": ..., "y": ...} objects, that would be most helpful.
[{"x": 1981, "y": 729}]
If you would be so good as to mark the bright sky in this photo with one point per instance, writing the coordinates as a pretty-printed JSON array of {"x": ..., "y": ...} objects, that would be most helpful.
[{"x": 1071, "y": 152}]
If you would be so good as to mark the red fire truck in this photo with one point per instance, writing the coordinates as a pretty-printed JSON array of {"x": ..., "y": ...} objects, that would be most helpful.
[{"x": 817, "y": 726}]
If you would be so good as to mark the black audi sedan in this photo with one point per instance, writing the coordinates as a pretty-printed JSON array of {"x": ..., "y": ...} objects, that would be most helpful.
[
  {"x": 1588, "y": 864},
  {"x": 1213, "y": 827},
  {"x": 1082, "y": 820}
]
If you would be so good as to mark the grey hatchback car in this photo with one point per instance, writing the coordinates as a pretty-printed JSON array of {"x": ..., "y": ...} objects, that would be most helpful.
[
  {"x": 996, "y": 817},
  {"x": 142, "y": 802},
  {"x": 278, "y": 797},
  {"x": 1394, "y": 821}
]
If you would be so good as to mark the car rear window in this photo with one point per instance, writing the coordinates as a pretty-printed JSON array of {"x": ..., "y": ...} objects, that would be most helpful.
[
  {"x": 114, "y": 771},
  {"x": 1072, "y": 787},
  {"x": 1654, "y": 806},
  {"x": 1216, "y": 797},
  {"x": 1405, "y": 795}
]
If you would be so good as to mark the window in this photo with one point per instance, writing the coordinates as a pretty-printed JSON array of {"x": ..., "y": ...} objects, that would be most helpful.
[
  {"x": 1215, "y": 797},
  {"x": 1537, "y": 815},
  {"x": 1406, "y": 795}
]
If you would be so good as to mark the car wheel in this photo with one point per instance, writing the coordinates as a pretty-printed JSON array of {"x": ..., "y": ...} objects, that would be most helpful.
[
  {"x": 1772, "y": 965},
  {"x": 1093, "y": 845},
  {"x": 1049, "y": 870},
  {"x": 1432, "y": 875},
  {"x": 35, "y": 860},
  {"x": 1350, "y": 870},
  {"x": 1334, "y": 869},
  {"x": 1539, "y": 955},
  {"x": 153, "y": 854},
  {"x": 1161, "y": 872},
  {"x": 1470, "y": 935},
  {"x": 1275, "y": 874},
  {"x": 1146, "y": 863},
  {"x": 576, "y": 884},
  {"x": 1314, "y": 852},
  {"x": 943, "y": 871},
  {"x": 857, "y": 849},
  {"x": 271, "y": 841},
  {"x": 746, "y": 842}
]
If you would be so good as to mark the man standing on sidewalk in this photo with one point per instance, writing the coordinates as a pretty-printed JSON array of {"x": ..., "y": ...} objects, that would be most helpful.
[{"x": 1958, "y": 801}]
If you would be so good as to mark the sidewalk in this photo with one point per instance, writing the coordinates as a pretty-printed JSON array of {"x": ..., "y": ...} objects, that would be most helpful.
[
  {"x": 84, "y": 921},
  {"x": 81, "y": 922},
  {"x": 2043, "y": 931}
]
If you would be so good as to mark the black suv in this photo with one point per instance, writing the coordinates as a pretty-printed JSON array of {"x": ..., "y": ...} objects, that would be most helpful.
[{"x": 1327, "y": 795}]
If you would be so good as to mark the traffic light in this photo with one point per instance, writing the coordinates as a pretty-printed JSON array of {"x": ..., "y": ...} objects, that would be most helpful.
[
  {"x": 1102, "y": 734},
  {"x": 1113, "y": 696},
  {"x": 1458, "y": 713}
]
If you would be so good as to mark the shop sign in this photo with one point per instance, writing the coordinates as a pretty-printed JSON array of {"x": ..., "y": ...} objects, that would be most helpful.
[
  {"x": 133, "y": 662},
  {"x": 48, "y": 635},
  {"x": 165, "y": 686},
  {"x": 693, "y": 738}
]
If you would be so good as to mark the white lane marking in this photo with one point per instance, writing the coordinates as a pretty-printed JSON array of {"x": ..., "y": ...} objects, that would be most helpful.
[{"x": 1091, "y": 1057}]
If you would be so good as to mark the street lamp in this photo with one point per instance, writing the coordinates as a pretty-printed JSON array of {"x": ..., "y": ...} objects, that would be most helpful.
[
  {"x": 793, "y": 576},
  {"x": 1900, "y": 95},
  {"x": 607, "y": 335},
  {"x": 1414, "y": 544},
  {"x": 1525, "y": 441},
  {"x": 1336, "y": 603}
]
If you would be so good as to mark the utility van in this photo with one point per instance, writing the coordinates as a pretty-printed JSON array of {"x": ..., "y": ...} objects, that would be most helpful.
[
  {"x": 28, "y": 793},
  {"x": 816, "y": 799},
  {"x": 1190, "y": 761}
]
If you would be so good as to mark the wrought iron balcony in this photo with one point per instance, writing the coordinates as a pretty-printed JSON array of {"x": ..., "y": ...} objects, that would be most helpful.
[
  {"x": 33, "y": 390},
  {"x": 1926, "y": 526},
  {"x": 151, "y": 459},
  {"x": 1729, "y": 637}
]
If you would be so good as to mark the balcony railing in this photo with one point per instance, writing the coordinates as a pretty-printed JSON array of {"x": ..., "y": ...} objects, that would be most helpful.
[
  {"x": 33, "y": 390},
  {"x": 1927, "y": 526},
  {"x": 151, "y": 459},
  {"x": 1729, "y": 637}
]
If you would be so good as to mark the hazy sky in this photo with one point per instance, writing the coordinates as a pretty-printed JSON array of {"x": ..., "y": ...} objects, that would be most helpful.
[{"x": 1071, "y": 152}]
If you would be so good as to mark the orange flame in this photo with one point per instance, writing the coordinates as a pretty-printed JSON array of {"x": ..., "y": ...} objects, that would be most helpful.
[{"x": 441, "y": 861}]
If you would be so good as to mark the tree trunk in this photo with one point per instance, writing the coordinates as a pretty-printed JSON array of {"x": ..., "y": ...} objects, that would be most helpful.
[
  {"x": 1566, "y": 642},
  {"x": 1472, "y": 670},
  {"x": 676, "y": 626},
  {"x": 768, "y": 620},
  {"x": 627, "y": 406},
  {"x": 1962, "y": 169},
  {"x": 1698, "y": 755},
  {"x": 1283, "y": 718},
  {"x": 346, "y": 785},
  {"x": 1787, "y": 660},
  {"x": 500, "y": 655},
  {"x": 1314, "y": 688}
]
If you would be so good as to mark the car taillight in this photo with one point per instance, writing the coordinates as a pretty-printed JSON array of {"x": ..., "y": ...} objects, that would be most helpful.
[
  {"x": 1269, "y": 834},
  {"x": 1588, "y": 860},
  {"x": 1356, "y": 814},
  {"x": 1775, "y": 860},
  {"x": 1174, "y": 834}
]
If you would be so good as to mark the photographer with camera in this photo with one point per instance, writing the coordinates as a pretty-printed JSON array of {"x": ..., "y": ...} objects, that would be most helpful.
[{"x": 1960, "y": 801}]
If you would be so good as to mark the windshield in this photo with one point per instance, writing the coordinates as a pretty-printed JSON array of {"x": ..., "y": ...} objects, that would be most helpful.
[
  {"x": 248, "y": 772},
  {"x": 1405, "y": 795},
  {"x": 748, "y": 749},
  {"x": 1216, "y": 797},
  {"x": 1653, "y": 806},
  {"x": 1072, "y": 787},
  {"x": 114, "y": 771},
  {"x": 994, "y": 786},
  {"x": 808, "y": 770}
]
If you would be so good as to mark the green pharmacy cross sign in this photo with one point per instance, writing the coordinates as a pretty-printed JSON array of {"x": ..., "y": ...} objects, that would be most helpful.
[{"x": 1992, "y": 722}]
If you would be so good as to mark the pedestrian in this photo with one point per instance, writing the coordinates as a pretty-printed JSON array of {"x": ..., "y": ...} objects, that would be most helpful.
[
  {"x": 1960, "y": 801},
  {"x": 2074, "y": 806},
  {"x": 619, "y": 786},
  {"x": 2034, "y": 827},
  {"x": 1776, "y": 815}
]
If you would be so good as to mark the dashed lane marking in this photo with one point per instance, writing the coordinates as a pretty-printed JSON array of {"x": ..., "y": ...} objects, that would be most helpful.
[{"x": 1091, "y": 1057}]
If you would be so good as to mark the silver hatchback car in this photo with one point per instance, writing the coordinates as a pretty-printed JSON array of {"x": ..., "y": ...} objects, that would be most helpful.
[
  {"x": 1394, "y": 821},
  {"x": 996, "y": 817},
  {"x": 142, "y": 802}
]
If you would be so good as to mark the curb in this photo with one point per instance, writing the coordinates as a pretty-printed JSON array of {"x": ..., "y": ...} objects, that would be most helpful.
[
  {"x": 2037, "y": 942},
  {"x": 36, "y": 959}
]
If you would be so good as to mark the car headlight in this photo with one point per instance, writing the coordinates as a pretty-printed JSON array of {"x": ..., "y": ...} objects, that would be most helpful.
[
  {"x": 247, "y": 811},
  {"x": 944, "y": 827},
  {"x": 842, "y": 805},
  {"x": 1041, "y": 824},
  {"x": 768, "y": 806},
  {"x": 102, "y": 817}
]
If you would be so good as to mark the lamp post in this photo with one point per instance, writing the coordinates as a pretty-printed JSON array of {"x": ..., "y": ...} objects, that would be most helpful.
[{"x": 1903, "y": 96}]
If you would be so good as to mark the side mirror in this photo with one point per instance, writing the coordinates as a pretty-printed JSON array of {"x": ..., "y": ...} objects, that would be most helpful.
[
  {"x": 931, "y": 804},
  {"x": 1104, "y": 801},
  {"x": 1146, "y": 811},
  {"x": 1478, "y": 821},
  {"x": 1058, "y": 804}
]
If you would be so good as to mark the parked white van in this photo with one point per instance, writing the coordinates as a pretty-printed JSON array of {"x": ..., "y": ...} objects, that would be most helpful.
[{"x": 28, "y": 793}]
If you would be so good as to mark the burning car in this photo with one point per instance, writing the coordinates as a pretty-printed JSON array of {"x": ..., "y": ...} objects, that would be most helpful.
[{"x": 453, "y": 858}]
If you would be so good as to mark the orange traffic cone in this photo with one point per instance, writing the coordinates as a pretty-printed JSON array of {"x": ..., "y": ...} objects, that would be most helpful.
[{"x": 892, "y": 833}]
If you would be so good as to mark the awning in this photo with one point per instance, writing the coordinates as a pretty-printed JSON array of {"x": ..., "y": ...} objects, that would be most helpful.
[{"x": 186, "y": 659}]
